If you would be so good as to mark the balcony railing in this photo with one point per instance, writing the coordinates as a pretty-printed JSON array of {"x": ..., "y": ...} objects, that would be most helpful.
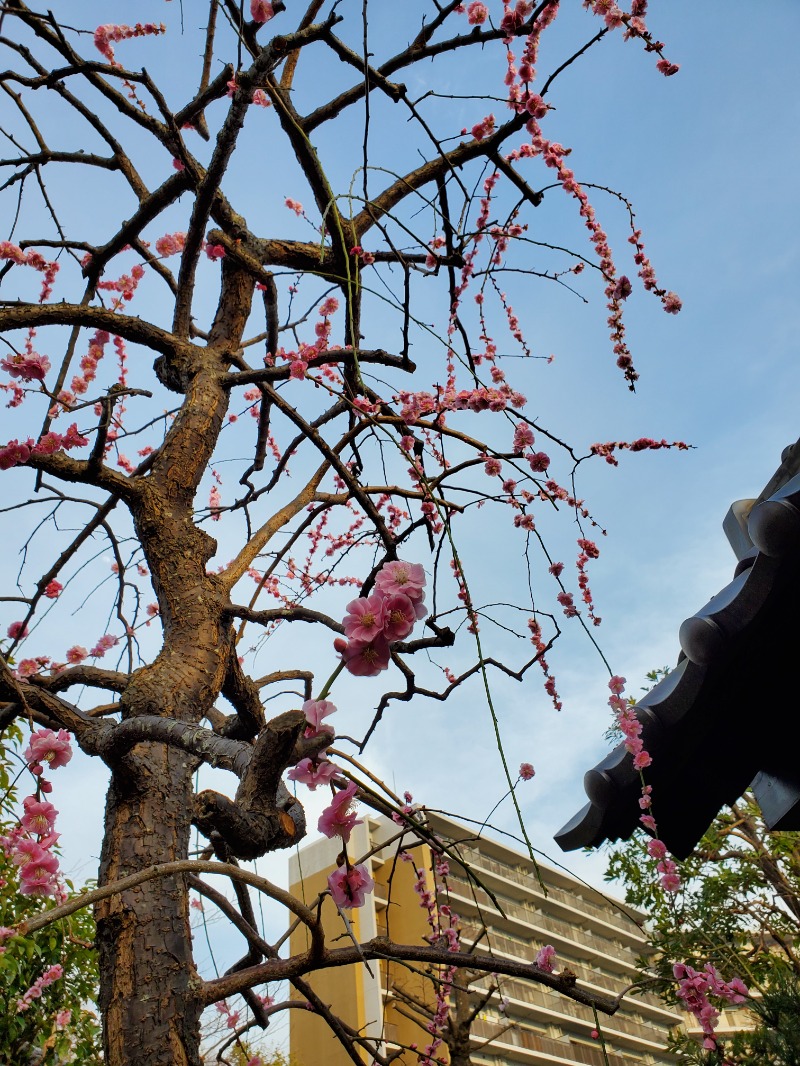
[
  {"x": 569, "y": 1051},
  {"x": 522, "y": 876}
]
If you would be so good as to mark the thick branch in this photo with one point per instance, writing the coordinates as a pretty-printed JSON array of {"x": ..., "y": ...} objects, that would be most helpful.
[{"x": 382, "y": 948}]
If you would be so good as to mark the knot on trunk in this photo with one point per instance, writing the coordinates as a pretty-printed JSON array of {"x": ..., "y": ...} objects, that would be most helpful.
[{"x": 264, "y": 816}]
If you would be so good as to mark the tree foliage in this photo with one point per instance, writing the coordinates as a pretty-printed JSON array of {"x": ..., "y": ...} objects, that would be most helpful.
[
  {"x": 61, "y": 1025},
  {"x": 738, "y": 908}
]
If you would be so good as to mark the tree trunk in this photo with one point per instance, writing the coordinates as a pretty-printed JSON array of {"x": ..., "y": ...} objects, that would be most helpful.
[
  {"x": 147, "y": 974},
  {"x": 148, "y": 978}
]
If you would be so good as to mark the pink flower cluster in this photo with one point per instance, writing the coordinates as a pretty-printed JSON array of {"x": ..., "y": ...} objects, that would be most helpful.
[
  {"x": 349, "y": 885},
  {"x": 541, "y": 649},
  {"x": 629, "y": 724},
  {"x": 545, "y": 958},
  {"x": 126, "y": 285},
  {"x": 261, "y": 10},
  {"x": 483, "y": 129},
  {"x": 316, "y": 770},
  {"x": 34, "y": 259},
  {"x": 694, "y": 988},
  {"x": 106, "y": 36},
  {"x": 16, "y": 452},
  {"x": 51, "y": 974},
  {"x": 231, "y": 1016},
  {"x": 339, "y": 819},
  {"x": 372, "y": 623},
  {"x": 416, "y": 405},
  {"x": 607, "y": 449},
  {"x": 170, "y": 244},
  {"x": 669, "y": 878},
  {"x": 634, "y": 24},
  {"x": 29, "y": 844},
  {"x": 45, "y": 746},
  {"x": 299, "y": 359},
  {"x": 445, "y": 929},
  {"x": 27, "y": 367},
  {"x": 589, "y": 550}
]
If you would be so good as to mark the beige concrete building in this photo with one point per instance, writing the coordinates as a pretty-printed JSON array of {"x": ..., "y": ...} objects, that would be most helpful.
[{"x": 522, "y": 1022}]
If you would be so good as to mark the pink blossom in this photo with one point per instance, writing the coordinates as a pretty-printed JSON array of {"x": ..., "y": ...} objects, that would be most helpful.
[
  {"x": 623, "y": 288},
  {"x": 477, "y": 13},
  {"x": 364, "y": 619},
  {"x": 364, "y": 660},
  {"x": 667, "y": 68},
  {"x": 312, "y": 773},
  {"x": 526, "y": 771},
  {"x": 17, "y": 631},
  {"x": 617, "y": 684},
  {"x": 294, "y": 205},
  {"x": 27, "y": 668},
  {"x": 73, "y": 439},
  {"x": 523, "y": 437},
  {"x": 261, "y": 10},
  {"x": 399, "y": 616},
  {"x": 51, "y": 974},
  {"x": 15, "y": 453},
  {"x": 539, "y": 462},
  {"x": 76, "y": 654},
  {"x": 656, "y": 849},
  {"x": 104, "y": 644},
  {"x": 566, "y": 601},
  {"x": 315, "y": 711},
  {"x": 545, "y": 958},
  {"x": 39, "y": 816},
  {"x": 37, "y": 877},
  {"x": 215, "y": 251},
  {"x": 484, "y": 128},
  {"x": 47, "y": 746},
  {"x": 105, "y": 35},
  {"x": 338, "y": 819},
  {"x": 536, "y": 106},
  {"x": 670, "y": 879},
  {"x": 672, "y": 303},
  {"x": 53, "y": 590},
  {"x": 348, "y": 887},
  {"x": 402, "y": 577},
  {"x": 170, "y": 244},
  {"x": 48, "y": 444},
  {"x": 28, "y": 367}
]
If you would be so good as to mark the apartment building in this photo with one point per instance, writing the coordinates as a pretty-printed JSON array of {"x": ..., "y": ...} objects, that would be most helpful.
[{"x": 596, "y": 938}]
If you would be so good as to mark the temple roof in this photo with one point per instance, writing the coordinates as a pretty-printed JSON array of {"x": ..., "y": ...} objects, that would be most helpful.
[{"x": 727, "y": 717}]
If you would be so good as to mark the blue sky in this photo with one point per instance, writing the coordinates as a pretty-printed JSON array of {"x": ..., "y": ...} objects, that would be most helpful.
[{"x": 709, "y": 158}]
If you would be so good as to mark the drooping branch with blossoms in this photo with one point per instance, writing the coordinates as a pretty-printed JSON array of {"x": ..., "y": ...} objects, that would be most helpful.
[{"x": 226, "y": 394}]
